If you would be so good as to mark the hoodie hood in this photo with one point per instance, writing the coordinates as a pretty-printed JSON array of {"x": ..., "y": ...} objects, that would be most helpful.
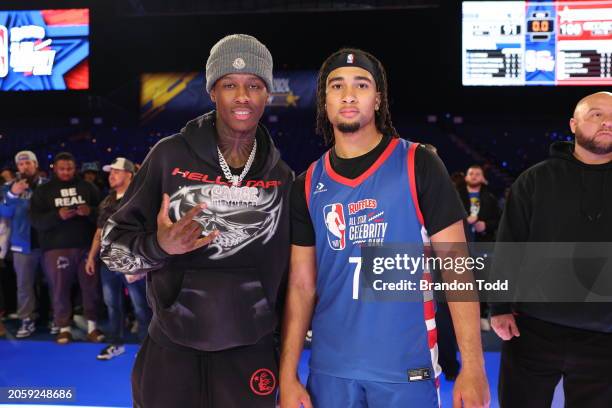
[
  {"x": 565, "y": 151},
  {"x": 201, "y": 136}
]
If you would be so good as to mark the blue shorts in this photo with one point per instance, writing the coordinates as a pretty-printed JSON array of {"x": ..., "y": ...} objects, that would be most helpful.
[{"x": 333, "y": 392}]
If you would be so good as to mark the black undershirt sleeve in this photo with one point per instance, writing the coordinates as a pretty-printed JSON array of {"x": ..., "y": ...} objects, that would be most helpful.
[{"x": 438, "y": 200}]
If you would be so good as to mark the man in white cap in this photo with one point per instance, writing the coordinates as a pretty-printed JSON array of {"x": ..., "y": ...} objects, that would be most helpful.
[
  {"x": 215, "y": 250},
  {"x": 15, "y": 204},
  {"x": 121, "y": 172}
]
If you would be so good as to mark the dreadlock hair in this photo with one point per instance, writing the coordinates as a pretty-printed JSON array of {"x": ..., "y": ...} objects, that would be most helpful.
[{"x": 382, "y": 115}]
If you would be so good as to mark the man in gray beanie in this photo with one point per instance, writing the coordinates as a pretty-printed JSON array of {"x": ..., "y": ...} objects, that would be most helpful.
[{"x": 215, "y": 250}]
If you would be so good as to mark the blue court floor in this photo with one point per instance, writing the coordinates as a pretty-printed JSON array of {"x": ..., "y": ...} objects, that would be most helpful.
[{"x": 107, "y": 383}]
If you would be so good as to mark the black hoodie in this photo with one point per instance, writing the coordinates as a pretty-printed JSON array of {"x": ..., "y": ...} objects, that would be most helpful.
[
  {"x": 561, "y": 200},
  {"x": 55, "y": 233},
  {"x": 223, "y": 295}
]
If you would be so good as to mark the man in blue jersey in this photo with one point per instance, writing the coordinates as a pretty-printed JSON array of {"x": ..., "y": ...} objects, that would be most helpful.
[{"x": 370, "y": 188}]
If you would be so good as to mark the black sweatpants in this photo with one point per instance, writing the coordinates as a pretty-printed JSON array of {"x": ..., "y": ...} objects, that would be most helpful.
[
  {"x": 533, "y": 364},
  {"x": 235, "y": 378}
]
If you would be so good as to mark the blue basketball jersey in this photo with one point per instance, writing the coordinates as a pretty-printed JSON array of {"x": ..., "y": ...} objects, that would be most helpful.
[{"x": 381, "y": 341}]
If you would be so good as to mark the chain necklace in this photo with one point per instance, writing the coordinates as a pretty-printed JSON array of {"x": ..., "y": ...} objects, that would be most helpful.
[{"x": 237, "y": 180}]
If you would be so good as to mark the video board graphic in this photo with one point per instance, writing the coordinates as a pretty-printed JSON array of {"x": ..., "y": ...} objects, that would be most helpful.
[{"x": 44, "y": 50}]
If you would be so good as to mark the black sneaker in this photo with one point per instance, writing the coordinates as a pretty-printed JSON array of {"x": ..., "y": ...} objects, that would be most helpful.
[{"x": 110, "y": 351}]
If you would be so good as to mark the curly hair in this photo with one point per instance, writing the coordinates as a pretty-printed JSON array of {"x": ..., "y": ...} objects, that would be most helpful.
[{"x": 383, "y": 116}]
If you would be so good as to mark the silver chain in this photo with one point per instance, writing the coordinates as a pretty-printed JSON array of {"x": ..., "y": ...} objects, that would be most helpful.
[{"x": 237, "y": 180}]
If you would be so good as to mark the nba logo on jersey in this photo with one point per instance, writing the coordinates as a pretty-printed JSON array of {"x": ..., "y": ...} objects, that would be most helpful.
[
  {"x": 336, "y": 226},
  {"x": 4, "y": 63}
]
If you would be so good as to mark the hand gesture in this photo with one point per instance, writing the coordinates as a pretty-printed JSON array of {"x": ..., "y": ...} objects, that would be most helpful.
[{"x": 184, "y": 235}]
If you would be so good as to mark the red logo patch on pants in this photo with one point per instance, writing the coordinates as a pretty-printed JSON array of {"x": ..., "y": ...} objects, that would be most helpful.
[{"x": 263, "y": 382}]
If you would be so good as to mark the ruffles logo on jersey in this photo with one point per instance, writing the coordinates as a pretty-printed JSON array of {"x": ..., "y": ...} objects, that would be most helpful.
[
  {"x": 336, "y": 226},
  {"x": 354, "y": 208},
  {"x": 366, "y": 228}
]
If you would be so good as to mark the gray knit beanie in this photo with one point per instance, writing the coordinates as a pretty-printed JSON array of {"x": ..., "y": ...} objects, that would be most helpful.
[{"x": 239, "y": 54}]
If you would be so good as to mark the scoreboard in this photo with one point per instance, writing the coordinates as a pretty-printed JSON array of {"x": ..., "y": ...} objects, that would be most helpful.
[{"x": 537, "y": 43}]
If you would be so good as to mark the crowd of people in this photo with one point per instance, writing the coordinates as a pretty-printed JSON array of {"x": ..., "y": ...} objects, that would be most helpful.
[{"x": 52, "y": 228}]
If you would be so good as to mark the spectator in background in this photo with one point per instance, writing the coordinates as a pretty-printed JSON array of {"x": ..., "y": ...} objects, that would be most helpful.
[
  {"x": 24, "y": 243},
  {"x": 114, "y": 283},
  {"x": 63, "y": 212},
  {"x": 480, "y": 204},
  {"x": 7, "y": 175},
  {"x": 90, "y": 172},
  {"x": 483, "y": 218},
  {"x": 566, "y": 198}
]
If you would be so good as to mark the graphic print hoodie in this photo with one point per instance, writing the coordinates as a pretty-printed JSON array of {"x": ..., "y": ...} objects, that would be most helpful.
[{"x": 223, "y": 295}]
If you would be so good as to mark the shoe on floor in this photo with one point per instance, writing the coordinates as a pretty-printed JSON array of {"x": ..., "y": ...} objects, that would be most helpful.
[
  {"x": 53, "y": 329},
  {"x": 63, "y": 338},
  {"x": 96, "y": 336},
  {"x": 2, "y": 329},
  {"x": 111, "y": 351},
  {"x": 27, "y": 328}
]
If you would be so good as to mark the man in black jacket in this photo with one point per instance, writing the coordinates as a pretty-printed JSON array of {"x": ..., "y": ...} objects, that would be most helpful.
[
  {"x": 480, "y": 204},
  {"x": 215, "y": 250},
  {"x": 64, "y": 213},
  {"x": 567, "y": 198}
]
